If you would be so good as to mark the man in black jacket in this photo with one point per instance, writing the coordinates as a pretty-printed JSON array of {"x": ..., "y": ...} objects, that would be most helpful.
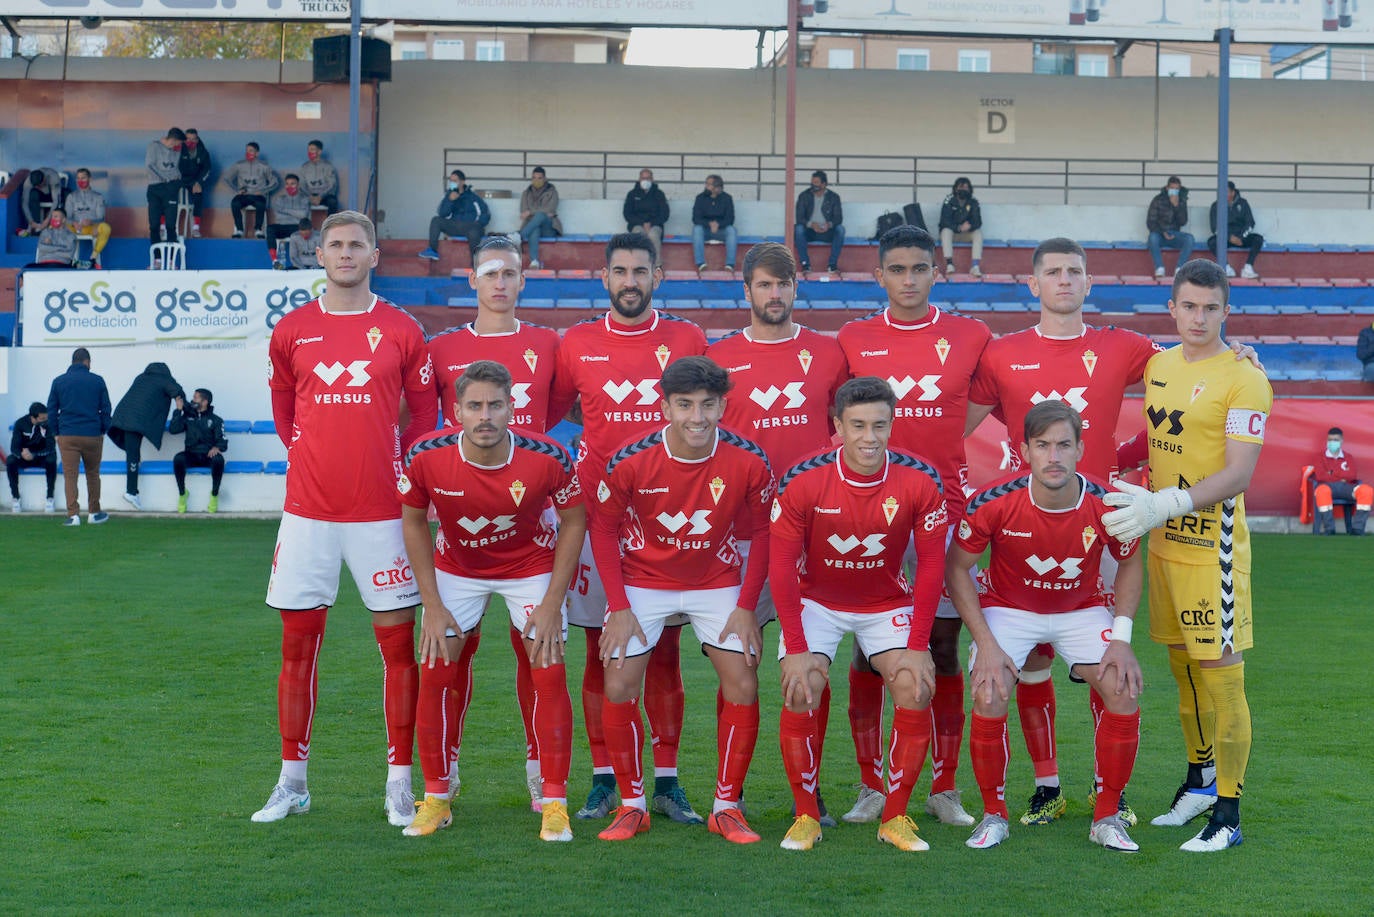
[
  {"x": 961, "y": 219},
  {"x": 195, "y": 175},
  {"x": 205, "y": 444},
  {"x": 820, "y": 218},
  {"x": 1239, "y": 223},
  {"x": 142, "y": 414},
  {"x": 1165, "y": 219},
  {"x": 646, "y": 210},
  {"x": 713, "y": 218},
  {"x": 31, "y": 446}
]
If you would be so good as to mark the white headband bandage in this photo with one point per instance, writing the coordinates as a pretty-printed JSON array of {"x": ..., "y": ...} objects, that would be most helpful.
[{"x": 490, "y": 266}]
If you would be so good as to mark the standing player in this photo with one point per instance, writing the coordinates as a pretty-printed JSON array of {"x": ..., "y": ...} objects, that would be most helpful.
[
  {"x": 841, "y": 524},
  {"x": 665, "y": 541},
  {"x": 529, "y": 352},
  {"x": 489, "y": 484},
  {"x": 1046, "y": 533},
  {"x": 928, "y": 357},
  {"x": 1206, "y": 414},
  {"x": 340, "y": 366},
  {"x": 613, "y": 364}
]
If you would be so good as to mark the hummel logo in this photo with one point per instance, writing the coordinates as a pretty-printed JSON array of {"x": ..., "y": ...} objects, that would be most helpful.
[
  {"x": 872, "y": 544},
  {"x": 699, "y": 520},
  {"x": 357, "y": 372},
  {"x": 1072, "y": 397},
  {"x": 1160, "y": 384},
  {"x": 929, "y": 386},
  {"x": 498, "y": 524},
  {"x": 622, "y": 390},
  {"x": 1072, "y": 566},
  {"x": 766, "y": 398}
]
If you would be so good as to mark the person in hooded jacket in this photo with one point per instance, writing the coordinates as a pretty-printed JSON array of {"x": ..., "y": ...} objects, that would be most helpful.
[
  {"x": 646, "y": 210},
  {"x": 142, "y": 414},
  {"x": 961, "y": 219}
]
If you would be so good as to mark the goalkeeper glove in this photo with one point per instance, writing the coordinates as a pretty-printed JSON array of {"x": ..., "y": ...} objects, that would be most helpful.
[{"x": 1142, "y": 510}]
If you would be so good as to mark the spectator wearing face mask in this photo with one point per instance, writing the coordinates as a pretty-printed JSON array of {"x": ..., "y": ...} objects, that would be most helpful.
[
  {"x": 1167, "y": 216},
  {"x": 961, "y": 220},
  {"x": 251, "y": 179},
  {"x": 86, "y": 216},
  {"x": 290, "y": 205},
  {"x": 646, "y": 210},
  {"x": 56, "y": 243},
  {"x": 195, "y": 175},
  {"x": 539, "y": 214},
  {"x": 300, "y": 248},
  {"x": 1335, "y": 478},
  {"x": 461, "y": 213},
  {"x": 162, "y": 160},
  {"x": 319, "y": 178}
]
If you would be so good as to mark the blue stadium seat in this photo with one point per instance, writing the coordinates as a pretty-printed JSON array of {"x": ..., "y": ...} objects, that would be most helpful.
[
  {"x": 972, "y": 306},
  {"x": 537, "y": 303},
  {"x": 463, "y": 302},
  {"x": 678, "y": 305},
  {"x": 1129, "y": 245},
  {"x": 275, "y": 468},
  {"x": 264, "y": 428},
  {"x": 574, "y": 303},
  {"x": 238, "y": 426},
  {"x": 1151, "y": 308},
  {"x": 836, "y": 304}
]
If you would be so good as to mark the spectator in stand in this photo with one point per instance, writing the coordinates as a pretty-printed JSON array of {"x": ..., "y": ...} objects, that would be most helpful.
[
  {"x": 56, "y": 243},
  {"x": 195, "y": 175},
  {"x": 1364, "y": 349},
  {"x": 289, "y": 207},
  {"x": 1167, "y": 216},
  {"x": 713, "y": 217},
  {"x": 539, "y": 214},
  {"x": 205, "y": 444},
  {"x": 646, "y": 210},
  {"x": 44, "y": 188},
  {"x": 142, "y": 414},
  {"x": 1335, "y": 477},
  {"x": 820, "y": 218},
  {"x": 319, "y": 178},
  {"x": 1239, "y": 223},
  {"x": 79, "y": 415},
  {"x": 251, "y": 179},
  {"x": 300, "y": 248},
  {"x": 163, "y": 161},
  {"x": 460, "y": 213},
  {"x": 85, "y": 209},
  {"x": 32, "y": 446},
  {"x": 961, "y": 219}
]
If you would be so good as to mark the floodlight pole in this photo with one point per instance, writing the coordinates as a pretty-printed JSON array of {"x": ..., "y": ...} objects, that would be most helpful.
[
  {"x": 355, "y": 92},
  {"x": 790, "y": 124},
  {"x": 1223, "y": 143}
]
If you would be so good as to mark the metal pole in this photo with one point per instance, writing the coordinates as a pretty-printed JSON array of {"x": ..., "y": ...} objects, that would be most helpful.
[
  {"x": 1223, "y": 143},
  {"x": 790, "y": 124},
  {"x": 355, "y": 92}
]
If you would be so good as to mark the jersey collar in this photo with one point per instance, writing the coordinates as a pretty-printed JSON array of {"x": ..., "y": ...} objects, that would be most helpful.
[
  {"x": 858, "y": 481},
  {"x": 627, "y": 330},
  {"x": 1082, "y": 492},
  {"x": 934, "y": 317},
  {"x": 1054, "y": 337},
  {"x": 472, "y": 329},
  {"x": 370, "y": 306},
  {"x": 706, "y": 458},
  {"x": 510, "y": 453},
  {"x": 796, "y": 333}
]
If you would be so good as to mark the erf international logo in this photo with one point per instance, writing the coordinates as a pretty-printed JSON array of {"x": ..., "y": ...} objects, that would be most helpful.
[{"x": 211, "y": 308}]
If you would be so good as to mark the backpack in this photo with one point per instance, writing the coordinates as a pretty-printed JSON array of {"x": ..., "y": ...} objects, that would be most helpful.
[
  {"x": 912, "y": 214},
  {"x": 885, "y": 222}
]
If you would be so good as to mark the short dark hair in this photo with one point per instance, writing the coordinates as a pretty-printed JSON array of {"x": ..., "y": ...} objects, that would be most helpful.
[
  {"x": 962, "y": 180},
  {"x": 1202, "y": 273},
  {"x": 694, "y": 374},
  {"x": 1172, "y": 179},
  {"x": 176, "y": 133},
  {"x": 498, "y": 243},
  {"x": 305, "y": 223},
  {"x": 864, "y": 390},
  {"x": 820, "y": 173},
  {"x": 1334, "y": 431},
  {"x": 1231, "y": 186},
  {"x": 254, "y": 145},
  {"x": 38, "y": 176},
  {"x": 205, "y": 393},
  {"x": 905, "y": 237},
  {"x": 483, "y": 371},
  {"x": 290, "y": 175},
  {"x": 631, "y": 242},
  {"x": 773, "y": 257},
  {"x": 538, "y": 170},
  {"x": 462, "y": 176},
  {"x": 81, "y": 355},
  {"x": 318, "y": 144},
  {"x": 192, "y": 130},
  {"x": 37, "y": 408},
  {"x": 1058, "y": 245},
  {"x": 716, "y": 178},
  {"x": 83, "y": 169},
  {"x": 1048, "y": 413}
]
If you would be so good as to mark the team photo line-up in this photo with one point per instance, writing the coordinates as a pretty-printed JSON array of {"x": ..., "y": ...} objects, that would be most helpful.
[{"x": 775, "y": 473}]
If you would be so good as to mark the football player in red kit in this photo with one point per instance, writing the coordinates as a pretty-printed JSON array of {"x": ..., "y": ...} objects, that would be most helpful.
[{"x": 340, "y": 367}]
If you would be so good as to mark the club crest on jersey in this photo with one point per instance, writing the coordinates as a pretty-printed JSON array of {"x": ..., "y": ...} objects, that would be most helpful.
[
  {"x": 804, "y": 358},
  {"x": 965, "y": 530},
  {"x": 403, "y": 484},
  {"x": 1089, "y": 537},
  {"x": 663, "y": 355},
  {"x": 942, "y": 350},
  {"x": 890, "y": 509},
  {"x": 603, "y": 493},
  {"x": 1089, "y": 361},
  {"x": 374, "y": 337},
  {"x": 717, "y": 489},
  {"x": 531, "y": 359},
  {"x": 1198, "y": 389},
  {"x": 517, "y": 491}
]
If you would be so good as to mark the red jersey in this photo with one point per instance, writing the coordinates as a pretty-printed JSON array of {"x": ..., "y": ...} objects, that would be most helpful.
[
  {"x": 1090, "y": 373},
  {"x": 348, "y": 372},
  {"x": 530, "y": 352},
  {"x": 843, "y": 535},
  {"x": 491, "y": 519},
  {"x": 669, "y": 523},
  {"x": 1045, "y": 561},
  {"x": 1331, "y": 468},
  {"x": 930, "y": 367},
  {"x": 615, "y": 369},
  {"x": 781, "y": 391}
]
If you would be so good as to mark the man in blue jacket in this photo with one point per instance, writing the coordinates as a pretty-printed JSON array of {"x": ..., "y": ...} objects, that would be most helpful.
[
  {"x": 79, "y": 416},
  {"x": 460, "y": 213}
]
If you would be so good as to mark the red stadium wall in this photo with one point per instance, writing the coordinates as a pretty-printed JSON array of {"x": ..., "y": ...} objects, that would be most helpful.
[{"x": 1296, "y": 435}]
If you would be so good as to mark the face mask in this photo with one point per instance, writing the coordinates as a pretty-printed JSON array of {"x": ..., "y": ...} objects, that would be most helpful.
[
  {"x": 645, "y": 184},
  {"x": 1173, "y": 192},
  {"x": 1333, "y": 446},
  {"x": 453, "y": 186},
  {"x": 190, "y": 143},
  {"x": 537, "y": 181},
  {"x": 55, "y": 222},
  {"x": 291, "y": 190},
  {"x": 312, "y": 154},
  {"x": 962, "y": 194},
  {"x": 250, "y": 155},
  {"x": 83, "y": 183}
]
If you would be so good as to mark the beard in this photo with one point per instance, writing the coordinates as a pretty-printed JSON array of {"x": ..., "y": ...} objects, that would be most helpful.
[{"x": 631, "y": 311}]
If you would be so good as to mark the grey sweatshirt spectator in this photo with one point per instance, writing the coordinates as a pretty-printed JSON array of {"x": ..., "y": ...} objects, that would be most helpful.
[
  {"x": 301, "y": 247},
  {"x": 290, "y": 205},
  {"x": 163, "y": 160},
  {"x": 57, "y": 242},
  {"x": 319, "y": 178},
  {"x": 251, "y": 179},
  {"x": 539, "y": 213}
]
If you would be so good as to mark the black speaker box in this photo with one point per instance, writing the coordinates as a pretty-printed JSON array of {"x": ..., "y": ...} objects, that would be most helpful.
[{"x": 331, "y": 59}]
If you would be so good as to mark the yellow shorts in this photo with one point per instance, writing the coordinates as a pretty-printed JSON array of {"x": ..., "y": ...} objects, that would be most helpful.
[{"x": 1187, "y": 607}]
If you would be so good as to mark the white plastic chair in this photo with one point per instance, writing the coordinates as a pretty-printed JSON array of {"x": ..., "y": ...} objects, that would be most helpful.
[
  {"x": 167, "y": 256},
  {"x": 185, "y": 220}
]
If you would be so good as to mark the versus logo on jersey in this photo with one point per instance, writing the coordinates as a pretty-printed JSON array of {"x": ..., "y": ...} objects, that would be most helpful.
[
  {"x": 890, "y": 509},
  {"x": 942, "y": 350},
  {"x": 1157, "y": 417},
  {"x": 928, "y": 384},
  {"x": 1073, "y": 397},
  {"x": 700, "y": 521},
  {"x": 520, "y": 395},
  {"x": 663, "y": 355},
  {"x": 374, "y": 337},
  {"x": 517, "y": 491},
  {"x": 766, "y": 398},
  {"x": 497, "y": 523},
  {"x": 619, "y": 391},
  {"x": 398, "y": 574},
  {"x": 1089, "y": 362},
  {"x": 1089, "y": 537},
  {"x": 804, "y": 358},
  {"x": 872, "y": 544},
  {"x": 717, "y": 487},
  {"x": 357, "y": 372},
  {"x": 531, "y": 359},
  {"x": 1070, "y": 567}
]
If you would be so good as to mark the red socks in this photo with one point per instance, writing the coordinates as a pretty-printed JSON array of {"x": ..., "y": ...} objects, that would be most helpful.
[
  {"x": 524, "y": 692},
  {"x": 552, "y": 715},
  {"x": 439, "y": 719},
  {"x": 400, "y": 688},
  {"x": 1035, "y": 704},
  {"x": 298, "y": 683},
  {"x": 799, "y": 737},
  {"x": 910, "y": 741},
  {"x": 947, "y": 719},
  {"x": 866, "y": 724},
  {"x": 665, "y": 700},
  {"x": 736, "y": 735},
  {"x": 593, "y": 699},
  {"x": 625, "y": 746},
  {"x": 1117, "y": 739},
  {"x": 987, "y": 746}
]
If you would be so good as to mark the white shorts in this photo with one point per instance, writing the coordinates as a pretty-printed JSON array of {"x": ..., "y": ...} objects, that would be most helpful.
[
  {"x": 1078, "y": 637},
  {"x": 875, "y": 632},
  {"x": 945, "y": 608},
  {"x": 765, "y": 610},
  {"x": 1108, "y": 581},
  {"x": 586, "y": 598},
  {"x": 466, "y": 598},
  {"x": 706, "y": 609},
  {"x": 305, "y": 564}
]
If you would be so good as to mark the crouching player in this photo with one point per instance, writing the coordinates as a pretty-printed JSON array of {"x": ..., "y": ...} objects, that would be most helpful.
[
  {"x": 1047, "y": 538},
  {"x": 664, "y": 536},
  {"x": 489, "y": 485},
  {"x": 841, "y": 525}
]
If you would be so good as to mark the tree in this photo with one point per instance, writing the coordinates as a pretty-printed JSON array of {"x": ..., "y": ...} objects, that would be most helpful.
[{"x": 216, "y": 40}]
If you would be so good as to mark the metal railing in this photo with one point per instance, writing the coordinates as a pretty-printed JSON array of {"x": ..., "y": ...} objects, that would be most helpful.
[{"x": 597, "y": 174}]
